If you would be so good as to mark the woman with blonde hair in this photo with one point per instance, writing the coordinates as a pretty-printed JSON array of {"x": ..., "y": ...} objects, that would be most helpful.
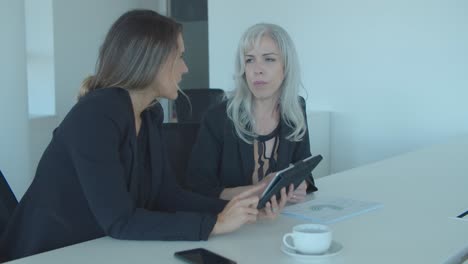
[{"x": 261, "y": 128}]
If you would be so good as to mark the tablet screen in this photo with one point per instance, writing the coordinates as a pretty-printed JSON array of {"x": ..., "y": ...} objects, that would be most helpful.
[
  {"x": 294, "y": 174},
  {"x": 275, "y": 179}
]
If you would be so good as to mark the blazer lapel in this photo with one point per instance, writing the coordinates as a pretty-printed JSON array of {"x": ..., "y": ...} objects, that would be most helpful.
[
  {"x": 132, "y": 142},
  {"x": 285, "y": 147},
  {"x": 156, "y": 151},
  {"x": 245, "y": 152},
  {"x": 247, "y": 158}
]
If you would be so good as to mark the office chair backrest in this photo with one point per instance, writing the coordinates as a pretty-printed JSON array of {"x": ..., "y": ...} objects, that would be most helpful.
[
  {"x": 200, "y": 100},
  {"x": 8, "y": 202},
  {"x": 179, "y": 139}
]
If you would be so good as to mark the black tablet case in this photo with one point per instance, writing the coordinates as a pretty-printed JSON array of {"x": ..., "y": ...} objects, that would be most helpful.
[{"x": 294, "y": 174}]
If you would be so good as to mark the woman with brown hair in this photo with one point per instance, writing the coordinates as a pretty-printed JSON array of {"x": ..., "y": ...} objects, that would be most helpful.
[{"x": 105, "y": 171}]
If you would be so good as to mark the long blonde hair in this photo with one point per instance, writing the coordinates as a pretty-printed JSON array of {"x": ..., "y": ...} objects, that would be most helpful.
[
  {"x": 135, "y": 48},
  {"x": 239, "y": 105}
]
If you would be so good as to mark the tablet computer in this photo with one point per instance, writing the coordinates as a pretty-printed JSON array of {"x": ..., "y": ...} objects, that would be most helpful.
[{"x": 294, "y": 174}]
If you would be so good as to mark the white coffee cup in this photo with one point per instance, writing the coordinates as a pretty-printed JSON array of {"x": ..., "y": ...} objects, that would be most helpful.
[{"x": 309, "y": 238}]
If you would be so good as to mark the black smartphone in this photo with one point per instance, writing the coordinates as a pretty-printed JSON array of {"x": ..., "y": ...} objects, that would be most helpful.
[{"x": 202, "y": 256}]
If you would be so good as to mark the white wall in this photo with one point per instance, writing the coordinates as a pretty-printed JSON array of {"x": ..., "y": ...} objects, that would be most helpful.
[
  {"x": 394, "y": 73},
  {"x": 79, "y": 28},
  {"x": 14, "y": 162},
  {"x": 40, "y": 57}
]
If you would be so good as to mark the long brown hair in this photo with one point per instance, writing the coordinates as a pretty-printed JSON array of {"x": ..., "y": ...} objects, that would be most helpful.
[{"x": 135, "y": 48}]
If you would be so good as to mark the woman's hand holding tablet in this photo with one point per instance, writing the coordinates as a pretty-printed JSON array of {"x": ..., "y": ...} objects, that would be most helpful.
[{"x": 295, "y": 174}]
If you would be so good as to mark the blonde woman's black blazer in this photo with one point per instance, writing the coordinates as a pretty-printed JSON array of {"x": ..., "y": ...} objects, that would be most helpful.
[{"x": 220, "y": 159}]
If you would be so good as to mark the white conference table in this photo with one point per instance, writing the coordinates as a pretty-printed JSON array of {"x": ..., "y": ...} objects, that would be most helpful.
[{"x": 420, "y": 191}]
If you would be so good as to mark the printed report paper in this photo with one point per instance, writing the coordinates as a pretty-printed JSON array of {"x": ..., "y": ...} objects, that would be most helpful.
[{"x": 327, "y": 210}]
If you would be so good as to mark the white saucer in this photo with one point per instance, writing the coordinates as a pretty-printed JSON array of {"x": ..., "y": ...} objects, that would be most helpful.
[{"x": 335, "y": 249}]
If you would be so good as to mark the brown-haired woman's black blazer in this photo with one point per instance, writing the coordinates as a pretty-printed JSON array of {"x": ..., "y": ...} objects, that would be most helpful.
[{"x": 96, "y": 178}]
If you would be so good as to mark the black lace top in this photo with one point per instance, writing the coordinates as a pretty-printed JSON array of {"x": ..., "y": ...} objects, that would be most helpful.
[{"x": 265, "y": 164}]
